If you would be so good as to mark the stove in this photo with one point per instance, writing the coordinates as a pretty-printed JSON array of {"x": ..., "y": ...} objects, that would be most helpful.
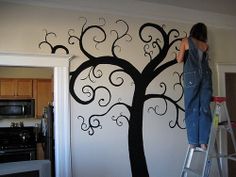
[{"x": 17, "y": 144}]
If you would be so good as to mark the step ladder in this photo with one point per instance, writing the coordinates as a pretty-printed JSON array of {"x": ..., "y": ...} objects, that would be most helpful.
[{"x": 218, "y": 122}]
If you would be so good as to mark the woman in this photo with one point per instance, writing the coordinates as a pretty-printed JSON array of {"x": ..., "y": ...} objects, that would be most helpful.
[{"x": 197, "y": 85}]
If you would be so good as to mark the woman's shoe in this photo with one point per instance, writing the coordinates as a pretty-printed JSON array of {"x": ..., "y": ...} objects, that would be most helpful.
[{"x": 204, "y": 147}]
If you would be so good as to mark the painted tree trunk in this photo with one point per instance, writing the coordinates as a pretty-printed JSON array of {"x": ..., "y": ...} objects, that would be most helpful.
[{"x": 135, "y": 137}]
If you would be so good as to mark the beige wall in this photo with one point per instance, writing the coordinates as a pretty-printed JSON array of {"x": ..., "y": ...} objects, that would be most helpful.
[
  {"x": 22, "y": 72},
  {"x": 222, "y": 46},
  {"x": 22, "y": 29},
  {"x": 222, "y": 42}
]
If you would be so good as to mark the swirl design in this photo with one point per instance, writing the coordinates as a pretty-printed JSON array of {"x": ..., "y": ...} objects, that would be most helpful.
[{"x": 53, "y": 48}]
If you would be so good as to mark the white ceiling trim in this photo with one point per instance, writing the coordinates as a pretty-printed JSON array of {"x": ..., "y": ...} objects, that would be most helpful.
[{"x": 134, "y": 8}]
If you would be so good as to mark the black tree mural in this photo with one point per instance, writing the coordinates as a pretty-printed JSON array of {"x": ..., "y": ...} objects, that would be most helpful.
[{"x": 156, "y": 49}]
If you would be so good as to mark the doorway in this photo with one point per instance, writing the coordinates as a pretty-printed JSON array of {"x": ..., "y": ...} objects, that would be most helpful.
[
  {"x": 60, "y": 66},
  {"x": 230, "y": 81},
  {"x": 34, "y": 84}
]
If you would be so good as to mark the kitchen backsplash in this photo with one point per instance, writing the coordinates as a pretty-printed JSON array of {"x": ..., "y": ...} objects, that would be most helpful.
[{"x": 26, "y": 122}]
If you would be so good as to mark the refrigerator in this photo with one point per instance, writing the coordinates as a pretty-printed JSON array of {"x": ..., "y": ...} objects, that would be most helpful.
[{"x": 47, "y": 130}]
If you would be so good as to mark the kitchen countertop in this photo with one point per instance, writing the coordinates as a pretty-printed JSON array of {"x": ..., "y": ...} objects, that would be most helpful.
[{"x": 43, "y": 166}]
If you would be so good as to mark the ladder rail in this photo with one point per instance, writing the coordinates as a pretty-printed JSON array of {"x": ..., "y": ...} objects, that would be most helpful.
[
  {"x": 212, "y": 150},
  {"x": 187, "y": 161},
  {"x": 230, "y": 129}
]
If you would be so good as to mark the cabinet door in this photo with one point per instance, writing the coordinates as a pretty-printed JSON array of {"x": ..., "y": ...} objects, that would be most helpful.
[
  {"x": 24, "y": 88},
  {"x": 16, "y": 88},
  {"x": 7, "y": 88},
  {"x": 44, "y": 95}
]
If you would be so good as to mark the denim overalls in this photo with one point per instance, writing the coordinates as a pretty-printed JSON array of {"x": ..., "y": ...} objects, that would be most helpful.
[{"x": 197, "y": 95}]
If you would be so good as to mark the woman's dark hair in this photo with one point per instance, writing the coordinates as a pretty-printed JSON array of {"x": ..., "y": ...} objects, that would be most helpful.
[{"x": 199, "y": 31}]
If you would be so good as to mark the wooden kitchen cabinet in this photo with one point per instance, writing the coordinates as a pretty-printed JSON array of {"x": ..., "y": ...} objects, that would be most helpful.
[
  {"x": 16, "y": 88},
  {"x": 43, "y": 94}
]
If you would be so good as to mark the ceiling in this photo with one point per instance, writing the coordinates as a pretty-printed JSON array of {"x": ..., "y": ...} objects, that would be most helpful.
[{"x": 226, "y": 7}]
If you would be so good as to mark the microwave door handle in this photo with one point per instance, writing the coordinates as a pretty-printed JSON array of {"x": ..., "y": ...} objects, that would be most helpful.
[{"x": 23, "y": 110}]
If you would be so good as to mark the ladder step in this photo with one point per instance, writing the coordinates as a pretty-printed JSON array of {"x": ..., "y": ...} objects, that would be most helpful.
[
  {"x": 198, "y": 149},
  {"x": 192, "y": 172},
  {"x": 232, "y": 157},
  {"x": 225, "y": 123}
]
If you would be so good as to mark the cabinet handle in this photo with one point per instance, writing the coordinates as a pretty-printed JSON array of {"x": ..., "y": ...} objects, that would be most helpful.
[{"x": 23, "y": 110}]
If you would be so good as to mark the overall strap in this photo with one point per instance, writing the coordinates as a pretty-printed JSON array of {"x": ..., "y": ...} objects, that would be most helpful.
[{"x": 191, "y": 44}]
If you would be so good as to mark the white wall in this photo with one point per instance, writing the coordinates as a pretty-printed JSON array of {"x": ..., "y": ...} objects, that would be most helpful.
[{"x": 105, "y": 154}]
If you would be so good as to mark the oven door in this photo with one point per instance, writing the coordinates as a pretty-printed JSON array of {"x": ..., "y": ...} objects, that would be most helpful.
[{"x": 17, "y": 155}]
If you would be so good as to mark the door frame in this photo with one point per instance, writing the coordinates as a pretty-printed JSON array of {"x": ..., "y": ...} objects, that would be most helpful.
[
  {"x": 60, "y": 65},
  {"x": 222, "y": 70}
]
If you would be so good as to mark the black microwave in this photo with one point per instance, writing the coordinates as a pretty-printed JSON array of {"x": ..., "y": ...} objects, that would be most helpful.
[{"x": 20, "y": 108}]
